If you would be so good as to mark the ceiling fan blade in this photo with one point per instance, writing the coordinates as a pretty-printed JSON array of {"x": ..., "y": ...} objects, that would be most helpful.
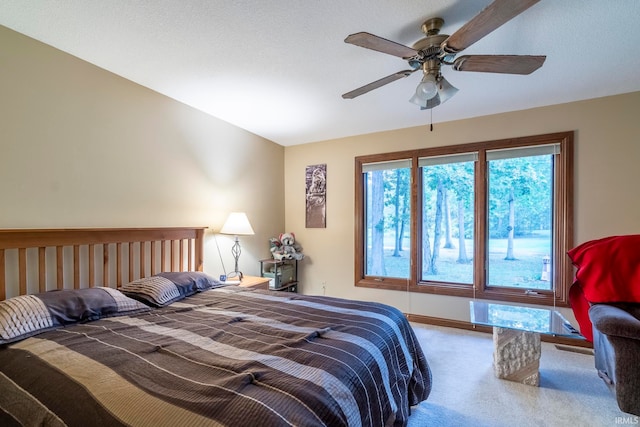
[
  {"x": 507, "y": 64},
  {"x": 374, "y": 42},
  {"x": 490, "y": 18},
  {"x": 378, "y": 83}
]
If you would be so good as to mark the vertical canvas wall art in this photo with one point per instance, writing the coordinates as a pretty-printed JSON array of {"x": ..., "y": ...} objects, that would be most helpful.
[{"x": 316, "y": 197}]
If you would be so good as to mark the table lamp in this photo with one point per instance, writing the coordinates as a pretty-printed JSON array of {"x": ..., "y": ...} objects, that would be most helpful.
[{"x": 236, "y": 224}]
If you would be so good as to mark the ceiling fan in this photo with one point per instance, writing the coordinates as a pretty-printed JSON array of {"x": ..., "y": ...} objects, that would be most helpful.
[{"x": 431, "y": 52}]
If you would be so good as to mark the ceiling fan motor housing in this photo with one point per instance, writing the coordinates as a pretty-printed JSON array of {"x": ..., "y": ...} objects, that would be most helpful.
[{"x": 430, "y": 45}]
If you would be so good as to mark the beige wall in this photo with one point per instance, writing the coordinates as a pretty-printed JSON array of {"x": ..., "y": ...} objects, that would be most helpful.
[
  {"x": 82, "y": 147},
  {"x": 607, "y": 176}
]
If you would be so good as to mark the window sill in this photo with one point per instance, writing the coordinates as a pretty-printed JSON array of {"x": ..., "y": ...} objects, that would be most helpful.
[{"x": 464, "y": 291}]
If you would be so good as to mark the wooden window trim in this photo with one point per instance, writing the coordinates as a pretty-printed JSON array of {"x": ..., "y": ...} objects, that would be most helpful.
[{"x": 562, "y": 223}]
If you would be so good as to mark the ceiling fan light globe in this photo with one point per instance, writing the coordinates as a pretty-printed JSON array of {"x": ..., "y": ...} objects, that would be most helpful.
[
  {"x": 445, "y": 90},
  {"x": 415, "y": 99},
  {"x": 433, "y": 102},
  {"x": 427, "y": 89}
]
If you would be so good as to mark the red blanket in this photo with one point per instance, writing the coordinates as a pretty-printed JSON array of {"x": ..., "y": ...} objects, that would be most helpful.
[{"x": 608, "y": 270}]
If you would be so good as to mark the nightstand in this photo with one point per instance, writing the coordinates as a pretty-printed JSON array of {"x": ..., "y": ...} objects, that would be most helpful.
[{"x": 255, "y": 282}]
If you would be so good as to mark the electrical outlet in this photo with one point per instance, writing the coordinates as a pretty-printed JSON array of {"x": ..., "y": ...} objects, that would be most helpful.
[{"x": 324, "y": 287}]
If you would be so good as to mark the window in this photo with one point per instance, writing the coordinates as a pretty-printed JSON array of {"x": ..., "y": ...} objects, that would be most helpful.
[
  {"x": 487, "y": 220},
  {"x": 447, "y": 218},
  {"x": 520, "y": 217},
  {"x": 387, "y": 218}
]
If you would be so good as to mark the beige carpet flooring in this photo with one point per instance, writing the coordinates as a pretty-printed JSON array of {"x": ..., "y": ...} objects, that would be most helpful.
[{"x": 466, "y": 393}]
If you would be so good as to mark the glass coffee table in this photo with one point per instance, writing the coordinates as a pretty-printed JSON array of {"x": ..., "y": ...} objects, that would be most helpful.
[{"x": 516, "y": 337}]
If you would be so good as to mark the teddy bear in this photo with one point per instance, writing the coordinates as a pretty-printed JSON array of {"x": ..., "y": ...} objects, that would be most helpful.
[
  {"x": 291, "y": 249},
  {"x": 285, "y": 247}
]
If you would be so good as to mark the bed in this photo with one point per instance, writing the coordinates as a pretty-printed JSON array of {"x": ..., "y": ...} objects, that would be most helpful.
[{"x": 128, "y": 330}]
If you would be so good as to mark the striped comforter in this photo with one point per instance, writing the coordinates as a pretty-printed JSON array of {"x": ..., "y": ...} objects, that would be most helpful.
[{"x": 228, "y": 356}]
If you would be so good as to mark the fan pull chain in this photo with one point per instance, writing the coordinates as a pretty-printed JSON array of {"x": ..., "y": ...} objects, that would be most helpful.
[{"x": 431, "y": 127}]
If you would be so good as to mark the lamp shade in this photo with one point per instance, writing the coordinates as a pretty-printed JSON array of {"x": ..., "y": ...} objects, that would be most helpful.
[{"x": 238, "y": 224}]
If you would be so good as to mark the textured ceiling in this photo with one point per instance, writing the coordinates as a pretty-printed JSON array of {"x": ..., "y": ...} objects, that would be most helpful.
[{"x": 278, "y": 68}]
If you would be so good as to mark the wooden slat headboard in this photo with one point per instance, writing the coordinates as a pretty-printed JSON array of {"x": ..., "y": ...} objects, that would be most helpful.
[{"x": 37, "y": 260}]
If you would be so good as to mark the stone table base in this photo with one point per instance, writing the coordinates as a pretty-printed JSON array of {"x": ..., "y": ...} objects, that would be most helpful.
[{"x": 516, "y": 355}]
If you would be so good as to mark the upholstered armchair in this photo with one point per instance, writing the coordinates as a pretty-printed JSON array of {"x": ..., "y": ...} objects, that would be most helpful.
[{"x": 616, "y": 343}]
